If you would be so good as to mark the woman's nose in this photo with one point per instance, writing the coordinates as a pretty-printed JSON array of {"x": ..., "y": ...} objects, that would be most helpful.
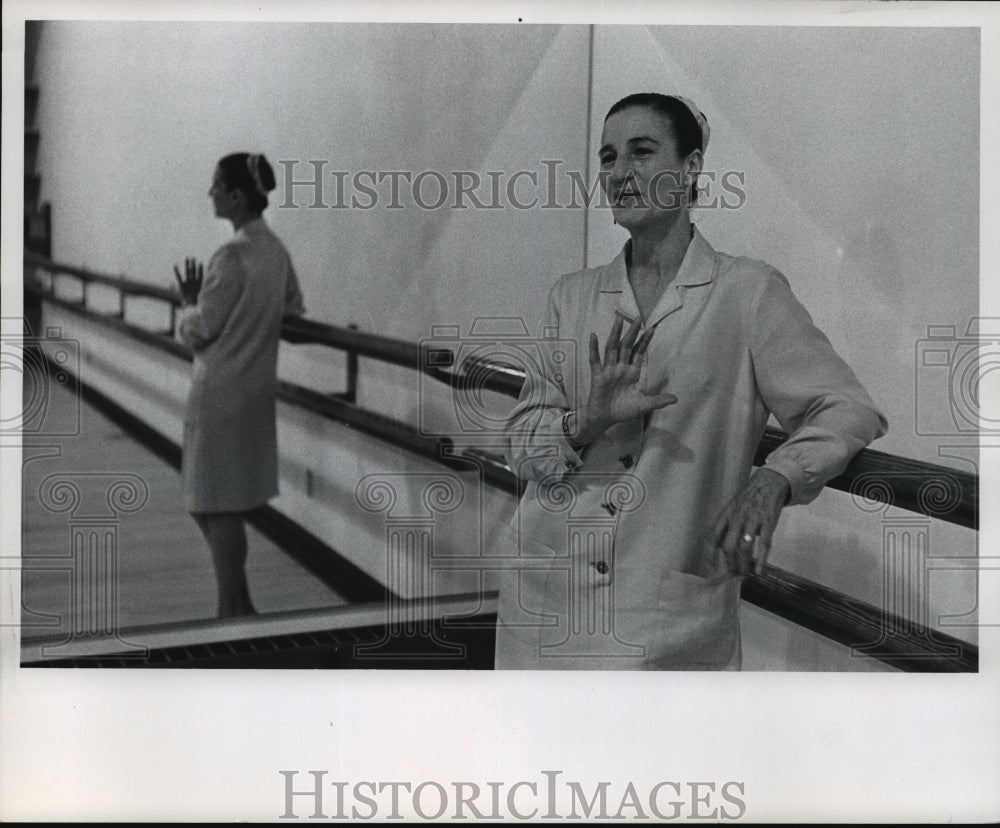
[{"x": 620, "y": 171}]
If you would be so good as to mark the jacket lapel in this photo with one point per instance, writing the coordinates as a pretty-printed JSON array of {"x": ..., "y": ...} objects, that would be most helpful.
[
  {"x": 697, "y": 268},
  {"x": 616, "y": 295}
]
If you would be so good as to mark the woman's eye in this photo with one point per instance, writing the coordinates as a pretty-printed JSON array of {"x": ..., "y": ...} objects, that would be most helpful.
[{"x": 607, "y": 159}]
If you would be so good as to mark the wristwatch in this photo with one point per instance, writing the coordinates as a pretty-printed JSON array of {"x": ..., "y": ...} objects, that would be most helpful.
[{"x": 574, "y": 444}]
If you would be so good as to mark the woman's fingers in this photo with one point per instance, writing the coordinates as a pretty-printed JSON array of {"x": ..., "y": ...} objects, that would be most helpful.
[
  {"x": 614, "y": 341},
  {"x": 642, "y": 345},
  {"x": 594, "y": 353},
  {"x": 760, "y": 560},
  {"x": 720, "y": 537},
  {"x": 730, "y": 536},
  {"x": 652, "y": 402},
  {"x": 625, "y": 349},
  {"x": 663, "y": 399},
  {"x": 628, "y": 343},
  {"x": 764, "y": 546},
  {"x": 180, "y": 280},
  {"x": 738, "y": 549},
  {"x": 745, "y": 529}
]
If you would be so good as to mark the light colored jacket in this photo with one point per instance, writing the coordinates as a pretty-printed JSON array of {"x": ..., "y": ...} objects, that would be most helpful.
[
  {"x": 610, "y": 563},
  {"x": 230, "y": 461}
]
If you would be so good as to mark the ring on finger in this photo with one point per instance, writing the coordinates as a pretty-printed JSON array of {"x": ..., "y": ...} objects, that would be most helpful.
[{"x": 748, "y": 538}]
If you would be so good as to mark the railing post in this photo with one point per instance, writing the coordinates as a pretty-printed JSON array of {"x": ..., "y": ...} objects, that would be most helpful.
[{"x": 351, "y": 394}]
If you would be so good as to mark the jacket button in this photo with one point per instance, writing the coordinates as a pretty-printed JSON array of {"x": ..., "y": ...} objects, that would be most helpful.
[
  {"x": 601, "y": 567},
  {"x": 627, "y": 461},
  {"x": 570, "y": 464}
]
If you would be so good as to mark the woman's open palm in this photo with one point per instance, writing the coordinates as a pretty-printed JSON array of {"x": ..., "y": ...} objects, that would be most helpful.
[
  {"x": 190, "y": 283},
  {"x": 615, "y": 393}
]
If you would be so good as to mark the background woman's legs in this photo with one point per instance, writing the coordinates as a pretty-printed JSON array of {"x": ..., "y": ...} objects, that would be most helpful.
[{"x": 227, "y": 538}]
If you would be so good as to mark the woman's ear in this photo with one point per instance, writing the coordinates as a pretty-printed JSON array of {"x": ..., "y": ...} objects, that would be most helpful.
[
  {"x": 694, "y": 163},
  {"x": 692, "y": 169}
]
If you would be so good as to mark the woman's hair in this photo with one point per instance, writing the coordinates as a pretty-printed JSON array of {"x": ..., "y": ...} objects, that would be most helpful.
[
  {"x": 689, "y": 133},
  {"x": 251, "y": 174}
]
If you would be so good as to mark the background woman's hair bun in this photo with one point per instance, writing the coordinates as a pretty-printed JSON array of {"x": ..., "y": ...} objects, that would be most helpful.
[
  {"x": 261, "y": 172},
  {"x": 250, "y": 173}
]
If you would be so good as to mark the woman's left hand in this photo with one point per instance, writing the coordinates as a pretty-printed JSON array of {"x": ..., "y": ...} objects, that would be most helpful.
[{"x": 748, "y": 522}]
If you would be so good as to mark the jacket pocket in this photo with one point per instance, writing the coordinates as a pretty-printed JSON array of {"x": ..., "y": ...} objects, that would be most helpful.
[{"x": 695, "y": 624}]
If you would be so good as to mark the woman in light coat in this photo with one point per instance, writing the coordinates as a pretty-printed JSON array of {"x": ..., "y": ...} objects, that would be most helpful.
[
  {"x": 640, "y": 512},
  {"x": 231, "y": 319}
]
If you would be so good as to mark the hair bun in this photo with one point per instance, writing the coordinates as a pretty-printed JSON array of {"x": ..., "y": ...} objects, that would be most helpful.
[
  {"x": 699, "y": 116},
  {"x": 261, "y": 173}
]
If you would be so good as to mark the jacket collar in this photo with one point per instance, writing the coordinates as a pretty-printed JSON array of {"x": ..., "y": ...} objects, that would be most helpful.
[
  {"x": 253, "y": 227},
  {"x": 697, "y": 268}
]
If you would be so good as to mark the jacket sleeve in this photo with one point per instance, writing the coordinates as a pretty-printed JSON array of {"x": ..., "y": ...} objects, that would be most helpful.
[
  {"x": 536, "y": 445},
  {"x": 812, "y": 392},
  {"x": 200, "y": 324},
  {"x": 294, "y": 305}
]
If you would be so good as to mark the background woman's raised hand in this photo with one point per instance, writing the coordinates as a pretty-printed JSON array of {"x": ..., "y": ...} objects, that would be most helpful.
[
  {"x": 190, "y": 283},
  {"x": 615, "y": 393}
]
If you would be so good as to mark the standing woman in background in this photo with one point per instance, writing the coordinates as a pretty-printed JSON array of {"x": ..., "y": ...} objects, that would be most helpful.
[{"x": 231, "y": 319}]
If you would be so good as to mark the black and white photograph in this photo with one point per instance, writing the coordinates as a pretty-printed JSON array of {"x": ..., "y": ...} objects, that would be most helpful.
[{"x": 498, "y": 412}]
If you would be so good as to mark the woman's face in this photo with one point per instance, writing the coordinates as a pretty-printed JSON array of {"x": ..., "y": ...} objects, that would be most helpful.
[
  {"x": 221, "y": 197},
  {"x": 643, "y": 177}
]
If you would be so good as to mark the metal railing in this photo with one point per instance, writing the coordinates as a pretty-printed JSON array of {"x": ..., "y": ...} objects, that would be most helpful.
[{"x": 938, "y": 491}]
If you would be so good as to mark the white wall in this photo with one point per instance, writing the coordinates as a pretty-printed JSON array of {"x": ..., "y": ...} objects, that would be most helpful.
[{"x": 862, "y": 186}]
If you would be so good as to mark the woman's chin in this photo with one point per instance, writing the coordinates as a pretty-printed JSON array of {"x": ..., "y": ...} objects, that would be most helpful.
[
  {"x": 632, "y": 216},
  {"x": 648, "y": 217},
  {"x": 626, "y": 215}
]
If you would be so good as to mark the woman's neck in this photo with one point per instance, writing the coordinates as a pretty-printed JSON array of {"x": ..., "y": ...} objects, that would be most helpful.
[
  {"x": 243, "y": 217},
  {"x": 654, "y": 253}
]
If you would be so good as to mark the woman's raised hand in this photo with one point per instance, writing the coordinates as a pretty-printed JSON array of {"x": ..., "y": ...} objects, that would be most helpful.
[
  {"x": 615, "y": 394},
  {"x": 190, "y": 284}
]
